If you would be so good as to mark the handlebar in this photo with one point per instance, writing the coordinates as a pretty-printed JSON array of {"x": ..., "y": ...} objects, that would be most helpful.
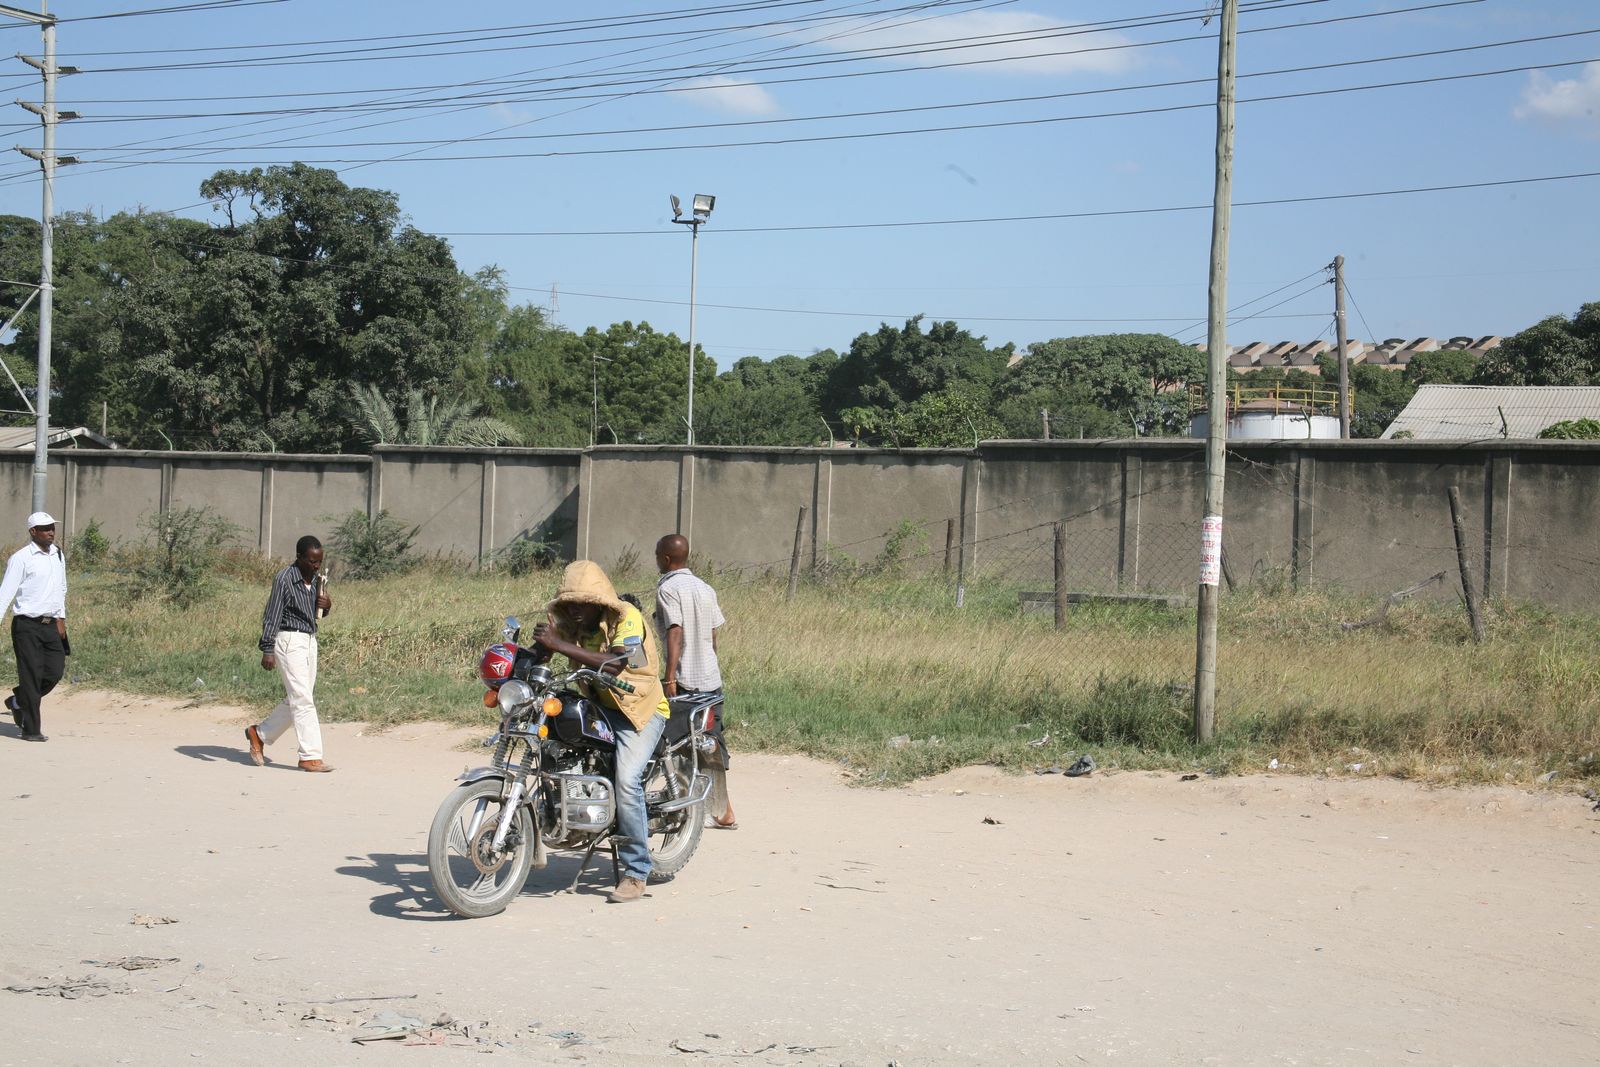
[{"x": 602, "y": 679}]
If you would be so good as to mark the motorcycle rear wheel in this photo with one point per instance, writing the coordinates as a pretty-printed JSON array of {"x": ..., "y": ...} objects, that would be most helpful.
[
  {"x": 671, "y": 850},
  {"x": 469, "y": 877}
]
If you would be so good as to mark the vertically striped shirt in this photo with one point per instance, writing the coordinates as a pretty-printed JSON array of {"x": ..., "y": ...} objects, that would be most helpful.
[{"x": 292, "y": 605}]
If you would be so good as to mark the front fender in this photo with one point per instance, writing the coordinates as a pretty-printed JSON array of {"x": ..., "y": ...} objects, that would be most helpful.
[{"x": 478, "y": 774}]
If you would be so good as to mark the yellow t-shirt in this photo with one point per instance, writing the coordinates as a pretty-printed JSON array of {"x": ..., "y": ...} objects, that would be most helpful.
[{"x": 629, "y": 633}]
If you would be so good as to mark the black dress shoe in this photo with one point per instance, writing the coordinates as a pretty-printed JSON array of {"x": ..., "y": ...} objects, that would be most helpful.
[
  {"x": 34, "y": 737},
  {"x": 16, "y": 712}
]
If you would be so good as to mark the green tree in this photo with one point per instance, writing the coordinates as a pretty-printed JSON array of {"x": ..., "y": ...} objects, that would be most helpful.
[
  {"x": 252, "y": 338},
  {"x": 891, "y": 368},
  {"x": 1138, "y": 377},
  {"x": 644, "y": 383},
  {"x": 539, "y": 380},
  {"x": 767, "y": 402},
  {"x": 1553, "y": 351},
  {"x": 1448, "y": 366},
  {"x": 428, "y": 420}
]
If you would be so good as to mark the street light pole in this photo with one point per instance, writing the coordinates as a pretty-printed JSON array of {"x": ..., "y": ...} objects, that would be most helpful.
[
  {"x": 694, "y": 278},
  {"x": 700, "y": 211}
]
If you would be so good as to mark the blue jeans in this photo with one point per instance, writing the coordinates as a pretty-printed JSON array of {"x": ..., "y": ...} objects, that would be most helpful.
[{"x": 634, "y": 749}]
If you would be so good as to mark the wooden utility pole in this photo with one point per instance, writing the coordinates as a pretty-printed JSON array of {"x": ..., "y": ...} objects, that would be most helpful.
[
  {"x": 1045, "y": 414},
  {"x": 1205, "y": 670},
  {"x": 1339, "y": 337}
]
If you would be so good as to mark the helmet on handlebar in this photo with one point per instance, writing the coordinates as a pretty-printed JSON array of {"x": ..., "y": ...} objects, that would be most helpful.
[{"x": 495, "y": 665}]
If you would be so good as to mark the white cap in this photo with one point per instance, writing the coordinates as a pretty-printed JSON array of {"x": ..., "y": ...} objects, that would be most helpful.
[{"x": 40, "y": 518}]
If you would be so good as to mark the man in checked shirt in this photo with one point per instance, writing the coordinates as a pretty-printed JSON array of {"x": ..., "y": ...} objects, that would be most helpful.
[{"x": 289, "y": 644}]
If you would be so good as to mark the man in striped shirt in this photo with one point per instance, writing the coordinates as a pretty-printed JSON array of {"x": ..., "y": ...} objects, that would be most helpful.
[{"x": 289, "y": 645}]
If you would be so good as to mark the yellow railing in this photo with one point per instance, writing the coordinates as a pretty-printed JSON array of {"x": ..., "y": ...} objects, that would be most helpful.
[{"x": 1323, "y": 399}]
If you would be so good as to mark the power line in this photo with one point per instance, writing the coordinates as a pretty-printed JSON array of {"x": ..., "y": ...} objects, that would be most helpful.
[
  {"x": 1448, "y": 3},
  {"x": 343, "y": 57},
  {"x": 925, "y": 4},
  {"x": 889, "y": 315},
  {"x": 1032, "y": 98},
  {"x": 819, "y": 138}
]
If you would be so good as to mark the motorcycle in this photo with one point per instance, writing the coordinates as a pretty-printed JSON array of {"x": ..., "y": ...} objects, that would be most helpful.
[{"x": 549, "y": 784}]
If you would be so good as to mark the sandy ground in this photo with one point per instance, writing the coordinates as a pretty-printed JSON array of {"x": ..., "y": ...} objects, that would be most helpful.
[{"x": 1129, "y": 918}]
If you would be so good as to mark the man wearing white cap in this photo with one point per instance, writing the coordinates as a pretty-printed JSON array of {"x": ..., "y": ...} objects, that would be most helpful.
[{"x": 36, "y": 578}]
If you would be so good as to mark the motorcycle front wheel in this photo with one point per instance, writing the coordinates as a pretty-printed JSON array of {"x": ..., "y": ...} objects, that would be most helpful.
[
  {"x": 470, "y": 877},
  {"x": 673, "y": 837}
]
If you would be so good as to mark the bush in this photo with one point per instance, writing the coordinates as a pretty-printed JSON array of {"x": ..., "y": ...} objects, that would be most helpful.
[
  {"x": 183, "y": 553},
  {"x": 530, "y": 551},
  {"x": 373, "y": 547},
  {"x": 1572, "y": 430},
  {"x": 90, "y": 546}
]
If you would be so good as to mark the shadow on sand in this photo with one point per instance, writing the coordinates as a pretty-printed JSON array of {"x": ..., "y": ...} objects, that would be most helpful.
[{"x": 409, "y": 887}]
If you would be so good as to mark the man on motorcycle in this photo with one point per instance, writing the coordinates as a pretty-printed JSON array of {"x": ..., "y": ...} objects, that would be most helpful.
[{"x": 590, "y": 624}]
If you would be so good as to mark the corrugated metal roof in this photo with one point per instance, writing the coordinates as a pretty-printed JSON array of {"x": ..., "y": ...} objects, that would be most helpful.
[
  {"x": 13, "y": 437},
  {"x": 1446, "y": 412}
]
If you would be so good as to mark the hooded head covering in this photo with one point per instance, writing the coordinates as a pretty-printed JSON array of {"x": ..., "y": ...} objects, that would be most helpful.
[{"x": 583, "y": 582}]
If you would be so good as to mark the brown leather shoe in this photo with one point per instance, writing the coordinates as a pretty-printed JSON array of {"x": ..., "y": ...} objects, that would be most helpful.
[
  {"x": 258, "y": 751},
  {"x": 315, "y": 766},
  {"x": 628, "y": 890}
]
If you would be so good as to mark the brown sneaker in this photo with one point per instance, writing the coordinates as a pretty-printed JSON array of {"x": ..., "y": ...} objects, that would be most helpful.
[
  {"x": 628, "y": 890},
  {"x": 258, "y": 751},
  {"x": 315, "y": 766}
]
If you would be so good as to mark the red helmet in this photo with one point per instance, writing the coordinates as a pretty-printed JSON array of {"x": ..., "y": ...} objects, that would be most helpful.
[{"x": 495, "y": 666}]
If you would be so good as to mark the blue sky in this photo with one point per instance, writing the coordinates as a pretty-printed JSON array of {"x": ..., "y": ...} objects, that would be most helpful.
[{"x": 1474, "y": 261}]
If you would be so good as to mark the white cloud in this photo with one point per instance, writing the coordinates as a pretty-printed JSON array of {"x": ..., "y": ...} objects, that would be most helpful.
[
  {"x": 1563, "y": 102},
  {"x": 993, "y": 35},
  {"x": 732, "y": 96},
  {"x": 512, "y": 115}
]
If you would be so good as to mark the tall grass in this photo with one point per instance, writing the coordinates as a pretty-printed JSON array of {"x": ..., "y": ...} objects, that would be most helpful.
[{"x": 882, "y": 674}]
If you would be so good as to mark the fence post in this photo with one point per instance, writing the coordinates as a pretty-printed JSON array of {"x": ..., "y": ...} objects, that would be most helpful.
[
  {"x": 794, "y": 557},
  {"x": 1468, "y": 589},
  {"x": 949, "y": 546},
  {"x": 1061, "y": 575}
]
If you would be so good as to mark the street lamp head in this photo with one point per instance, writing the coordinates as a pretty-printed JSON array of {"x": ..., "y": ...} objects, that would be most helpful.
[
  {"x": 703, "y": 203},
  {"x": 677, "y": 208}
]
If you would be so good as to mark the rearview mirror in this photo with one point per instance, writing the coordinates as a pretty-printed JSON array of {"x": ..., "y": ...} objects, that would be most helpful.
[{"x": 513, "y": 629}]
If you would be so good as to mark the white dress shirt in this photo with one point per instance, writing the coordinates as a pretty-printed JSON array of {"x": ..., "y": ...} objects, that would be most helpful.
[{"x": 36, "y": 579}]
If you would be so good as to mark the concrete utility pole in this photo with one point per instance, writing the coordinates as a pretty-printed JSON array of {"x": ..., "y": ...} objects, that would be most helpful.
[
  {"x": 48, "y": 117},
  {"x": 1045, "y": 414},
  {"x": 1205, "y": 670},
  {"x": 1339, "y": 338}
]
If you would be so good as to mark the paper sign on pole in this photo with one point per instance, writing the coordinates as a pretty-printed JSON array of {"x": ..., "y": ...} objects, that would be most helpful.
[{"x": 1211, "y": 550}]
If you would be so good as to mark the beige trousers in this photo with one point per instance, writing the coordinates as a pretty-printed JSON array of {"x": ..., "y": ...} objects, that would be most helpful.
[{"x": 296, "y": 654}]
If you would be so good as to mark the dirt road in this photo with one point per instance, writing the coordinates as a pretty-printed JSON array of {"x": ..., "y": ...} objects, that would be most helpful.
[{"x": 1120, "y": 918}]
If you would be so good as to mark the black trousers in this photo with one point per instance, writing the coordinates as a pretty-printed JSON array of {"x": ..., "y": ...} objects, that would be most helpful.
[{"x": 41, "y": 661}]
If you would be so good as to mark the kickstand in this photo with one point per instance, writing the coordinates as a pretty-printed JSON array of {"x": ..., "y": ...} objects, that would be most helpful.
[
  {"x": 616, "y": 865},
  {"x": 588, "y": 853}
]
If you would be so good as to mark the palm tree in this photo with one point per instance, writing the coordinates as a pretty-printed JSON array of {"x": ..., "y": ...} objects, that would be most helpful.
[{"x": 429, "y": 420}]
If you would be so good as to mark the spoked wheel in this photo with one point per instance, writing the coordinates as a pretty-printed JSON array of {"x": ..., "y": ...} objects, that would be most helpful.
[
  {"x": 674, "y": 836},
  {"x": 471, "y": 878}
]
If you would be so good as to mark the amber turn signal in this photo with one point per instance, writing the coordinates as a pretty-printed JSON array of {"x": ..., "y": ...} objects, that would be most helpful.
[
  {"x": 552, "y": 706},
  {"x": 490, "y": 698},
  {"x": 544, "y": 731}
]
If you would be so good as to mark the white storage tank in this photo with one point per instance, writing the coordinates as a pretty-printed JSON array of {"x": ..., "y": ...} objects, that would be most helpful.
[{"x": 1272, "y": 411}]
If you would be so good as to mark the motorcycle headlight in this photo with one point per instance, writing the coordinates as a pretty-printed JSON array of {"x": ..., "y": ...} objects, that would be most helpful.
[{"x": 514, "y": 694}]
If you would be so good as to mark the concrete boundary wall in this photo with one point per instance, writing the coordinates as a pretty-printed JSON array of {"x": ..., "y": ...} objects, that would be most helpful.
[{"x": 1368, "y": 515}]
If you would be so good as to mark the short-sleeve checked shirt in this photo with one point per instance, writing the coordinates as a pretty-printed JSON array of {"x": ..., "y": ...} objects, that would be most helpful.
[{"x": 685, "y": 601}]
